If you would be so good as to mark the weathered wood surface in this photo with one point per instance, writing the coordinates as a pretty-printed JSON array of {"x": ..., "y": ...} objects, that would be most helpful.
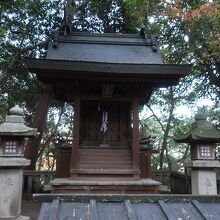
[
  {"x": 141, "y": 71},
  {"x": 96, "y": 160},
  {"x": 63, "y": 161},
  {"x": 107, "y": 161},
  {"x": 118, "y": 131},
  {"x": 32, "y": 146},
  {"x": 135, "y": 135},
  {"x": 76, "y": 129},
  {"x": 145, "y": 163},
  {"x": 34, "y": 181}
]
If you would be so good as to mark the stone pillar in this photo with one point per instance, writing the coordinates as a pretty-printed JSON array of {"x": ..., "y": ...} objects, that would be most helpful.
[
  {"x": 12, "y": 134},
  {"x": 203, "y": 177},
  {"x": 11, "y": 178}
]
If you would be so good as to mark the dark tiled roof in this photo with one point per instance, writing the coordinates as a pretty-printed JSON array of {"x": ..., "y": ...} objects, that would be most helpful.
[
  {"x": 106, "y": 57},
  {"x": 107, "y": 48},
  {"x": 131, "y": 208}
]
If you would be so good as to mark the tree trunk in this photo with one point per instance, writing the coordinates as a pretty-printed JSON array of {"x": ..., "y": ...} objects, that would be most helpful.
[
  {"x": 167, "y": 129},
  {"x": 32, "y": 147}
]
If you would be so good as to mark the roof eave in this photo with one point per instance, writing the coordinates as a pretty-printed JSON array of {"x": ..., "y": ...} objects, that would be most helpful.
[{"x": 38, "y": 65}]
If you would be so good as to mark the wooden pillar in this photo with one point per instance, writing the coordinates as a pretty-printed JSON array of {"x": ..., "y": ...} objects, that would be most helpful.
[
  {"x": 135, "y": 135},
  {"x": 122, "y": 125},
  {"x": 75, "y": 144},
  {"x": 32, "y": 146},
  {"x": 63, "y": 161},
  {"x": 148, "y": 164}
]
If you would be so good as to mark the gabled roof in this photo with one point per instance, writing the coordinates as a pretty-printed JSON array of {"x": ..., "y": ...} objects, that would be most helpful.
[
  {"x": 105, "y": 48},
  {"x": 112, "y": 56},
  {"x": 88, "y": 58}
]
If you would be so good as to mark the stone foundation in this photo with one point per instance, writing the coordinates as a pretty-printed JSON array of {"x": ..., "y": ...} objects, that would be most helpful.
[{"x": 139, "y": 186}]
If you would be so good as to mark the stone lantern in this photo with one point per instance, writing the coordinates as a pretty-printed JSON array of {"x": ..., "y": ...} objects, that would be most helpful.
[
  {"x": 202, "y": 139},
  {"x": 12, "y": 137}
]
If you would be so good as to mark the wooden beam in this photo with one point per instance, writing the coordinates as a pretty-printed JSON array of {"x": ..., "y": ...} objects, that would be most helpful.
[
  {"x": 63, "y": 162},
  {"x": 135, "y": 135},
  {"x": 122, "y": 125},
  {"x": 76, "y": 128},
  {"x": 118, "y": 70},
  {"x": 116, "y": 98},
  {"x": 148, "y": 165},
  {"x": 32, "y": 146},
  {"x": 105, "y": 171}
]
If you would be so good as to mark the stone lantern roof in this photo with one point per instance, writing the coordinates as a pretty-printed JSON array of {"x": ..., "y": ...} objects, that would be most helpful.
[
  {"x": 201, "y": 130},
  {"x": 14, "y": 124}
]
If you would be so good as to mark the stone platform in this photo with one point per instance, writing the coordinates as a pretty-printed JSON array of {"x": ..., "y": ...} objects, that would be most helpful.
[{"x": 123, "y": 186}]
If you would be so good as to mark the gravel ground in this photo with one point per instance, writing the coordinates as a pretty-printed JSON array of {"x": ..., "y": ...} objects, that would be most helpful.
[{"x": 30, "y": 208}]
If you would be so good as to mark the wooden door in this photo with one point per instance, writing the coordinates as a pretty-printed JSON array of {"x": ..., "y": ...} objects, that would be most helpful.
[{"x": 117, "y": 125}]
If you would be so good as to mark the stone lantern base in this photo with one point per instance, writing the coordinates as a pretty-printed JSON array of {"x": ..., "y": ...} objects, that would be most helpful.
[
  {"x": 11, "y": 179},
  {"x": 204, "y": 182},
  {"x": 203, "y": 177}
]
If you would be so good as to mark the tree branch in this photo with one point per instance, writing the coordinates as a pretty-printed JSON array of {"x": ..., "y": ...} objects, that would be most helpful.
[
  {"x": 54, "y": 131},
  {"x": 155, "y": 116},
  {"x": 185, "y": 155},
  {"x": 32, "y": 47},
  {"x": 20, "y": 51}
]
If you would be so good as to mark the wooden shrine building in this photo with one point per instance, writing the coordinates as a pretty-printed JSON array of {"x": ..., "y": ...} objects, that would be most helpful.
[{"x": 108, "y": 77}]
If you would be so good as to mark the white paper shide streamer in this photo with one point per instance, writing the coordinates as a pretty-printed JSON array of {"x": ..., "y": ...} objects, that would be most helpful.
[{"x": 104, "y": 126}]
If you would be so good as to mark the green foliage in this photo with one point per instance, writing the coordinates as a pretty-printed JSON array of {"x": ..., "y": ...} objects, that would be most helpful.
[
  {"x": 26, "y": 26},
  {"x": 188, "y": 33},
  {"x": 59, "y": 122},
  {"x": 114, "y": 16}
]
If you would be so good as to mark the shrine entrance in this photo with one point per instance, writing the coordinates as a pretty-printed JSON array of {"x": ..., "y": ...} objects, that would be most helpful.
[
  {"x": 107, "y": 143},
  {"x": 105, "y": 125},
  {"x": 105, "y": 147}
]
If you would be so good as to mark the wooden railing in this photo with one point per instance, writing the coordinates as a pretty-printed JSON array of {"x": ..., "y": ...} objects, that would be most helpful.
[
  {"x": 162, "y": 176},
  {"x": 180, "y": 183},
  {"x": 35, "y": 181}
]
